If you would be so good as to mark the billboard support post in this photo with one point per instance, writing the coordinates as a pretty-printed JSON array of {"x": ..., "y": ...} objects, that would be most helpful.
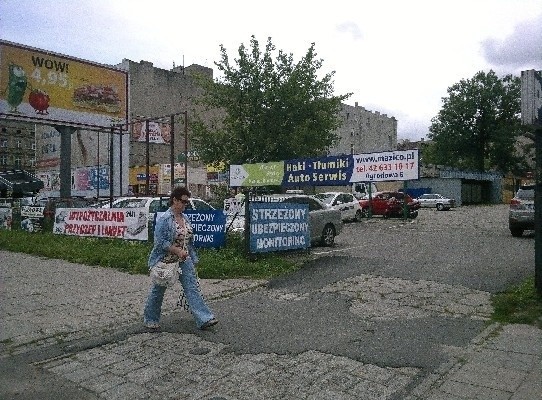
[
  {"x": 185, "y": 149},
  {"x": 65, "y": 159},
  {"x": 538, "y": 213},
  {"x": 147, "y": 158},
  {"x": 172, "y": 154}
]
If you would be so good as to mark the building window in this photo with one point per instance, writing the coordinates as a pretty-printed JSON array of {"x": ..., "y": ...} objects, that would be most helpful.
[
  {"x": 17, "y": 162},
  {"x": 4, "y": 160},
  {"x": 3, "y": 143},
  {"x": 33, "y": 163},
  {"x": 19, "y": 144},
  {"x": 33, "y": 145},
  {"x": 4, "y": 130}
]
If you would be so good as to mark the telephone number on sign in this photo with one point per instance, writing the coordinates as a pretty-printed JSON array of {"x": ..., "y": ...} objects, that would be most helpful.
[{"x": 400, "y": 166}]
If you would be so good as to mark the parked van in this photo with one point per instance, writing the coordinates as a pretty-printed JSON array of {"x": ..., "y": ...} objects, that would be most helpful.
[{"x": 361, "y": 189}]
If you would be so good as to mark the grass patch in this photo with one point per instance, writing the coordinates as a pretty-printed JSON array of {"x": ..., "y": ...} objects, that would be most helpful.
[
  {"x": 518, "y": 305},
  {"x": 131, "y": 256}
]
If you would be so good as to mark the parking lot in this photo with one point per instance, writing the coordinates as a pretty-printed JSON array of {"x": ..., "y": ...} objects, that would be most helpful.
[{"x": 469, "y": 245}]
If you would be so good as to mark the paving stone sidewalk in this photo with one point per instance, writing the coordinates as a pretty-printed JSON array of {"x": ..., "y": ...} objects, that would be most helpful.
[{"x": 44, "y": 302}]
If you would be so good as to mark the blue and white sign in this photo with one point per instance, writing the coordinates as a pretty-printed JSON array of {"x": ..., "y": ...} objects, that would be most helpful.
[
  {"x": 278, "y": 226},
  {"x": 209, "y": 227}
]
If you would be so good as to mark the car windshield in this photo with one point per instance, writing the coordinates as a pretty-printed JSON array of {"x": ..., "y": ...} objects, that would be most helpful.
[
  {"x": 526, "y": 193},
  {"x": 325, "y": 197}
]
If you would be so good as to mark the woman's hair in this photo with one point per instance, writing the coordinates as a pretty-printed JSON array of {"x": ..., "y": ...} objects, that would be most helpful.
[{"x": 178, "y": 192}]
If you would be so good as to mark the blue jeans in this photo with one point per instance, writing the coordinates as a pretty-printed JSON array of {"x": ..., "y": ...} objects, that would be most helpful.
[{"x": 189, "y": 282}]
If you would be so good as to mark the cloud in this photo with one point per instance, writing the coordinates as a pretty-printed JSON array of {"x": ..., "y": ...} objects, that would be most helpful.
[
  {"x": 522, "y": 48},
  {"x": 351, "y": 28}
]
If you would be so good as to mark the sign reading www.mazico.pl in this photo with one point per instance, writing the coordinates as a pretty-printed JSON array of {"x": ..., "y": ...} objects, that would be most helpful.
[{"x": 386, "y": 166}]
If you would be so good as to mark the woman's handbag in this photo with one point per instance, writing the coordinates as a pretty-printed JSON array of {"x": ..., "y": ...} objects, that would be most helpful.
[{"x": 165, "y": 274}]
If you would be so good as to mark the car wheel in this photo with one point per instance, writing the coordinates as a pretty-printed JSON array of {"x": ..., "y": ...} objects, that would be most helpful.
[
  {"x": 359, "y": 216},
  {"x": 413, "y": 214},
  {"x": 328, "y": 235},
  {"x": 516, "y": 232},
  {"x": 440, "y": 207},
  {"x": 365, "y": 212}
]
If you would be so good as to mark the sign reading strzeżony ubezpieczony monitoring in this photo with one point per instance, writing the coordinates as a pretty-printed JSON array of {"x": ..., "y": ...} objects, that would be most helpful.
[
  {"x": 278, "y": 226},
  {"x": 328, "y": 171}
]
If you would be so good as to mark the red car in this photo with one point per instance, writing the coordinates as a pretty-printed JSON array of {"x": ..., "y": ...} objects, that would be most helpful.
[{"x": 389, "y": 204}]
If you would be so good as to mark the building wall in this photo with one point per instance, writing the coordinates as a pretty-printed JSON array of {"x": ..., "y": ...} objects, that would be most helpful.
[
  {"x": 365, "y": 131},
  {"x": 17, "y": 146},
  {"x": 156, "y": 92}
]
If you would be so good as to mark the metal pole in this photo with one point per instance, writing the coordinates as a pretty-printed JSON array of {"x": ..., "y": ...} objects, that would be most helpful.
[
  {"x": 120, "y": 163},
  {"x": 98, "y": 168},
  {"x": 147, "y": 170},
  {"x": 111, "y": 160},
  {"x": 172, "y": 153},
  {"x": 538, "y": 213},
  {"x": 186, "y": 149}
]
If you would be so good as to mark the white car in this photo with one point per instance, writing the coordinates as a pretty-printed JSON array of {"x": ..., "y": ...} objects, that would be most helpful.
[
  {"x": 435, "y": 200},
  {"x": 156, "y": 204},
  {"x": 346, "y": 203}
]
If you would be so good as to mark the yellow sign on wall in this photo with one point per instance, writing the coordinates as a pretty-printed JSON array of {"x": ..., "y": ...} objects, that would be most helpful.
[{"x": 36, "y": 84}]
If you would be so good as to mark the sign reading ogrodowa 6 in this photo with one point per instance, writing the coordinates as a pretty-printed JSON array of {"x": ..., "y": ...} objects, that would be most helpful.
[{"x": 327, "y": 171}]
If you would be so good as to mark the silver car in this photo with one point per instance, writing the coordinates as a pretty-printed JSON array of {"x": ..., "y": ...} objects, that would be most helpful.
[
  {"x": 521, "y": 211},
  {"x": 435, "y": 200},
  {"x": 325, "y": 222}
]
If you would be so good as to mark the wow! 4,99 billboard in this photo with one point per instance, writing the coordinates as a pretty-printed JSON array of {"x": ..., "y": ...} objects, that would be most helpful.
[{"x": 40, "y": 85}]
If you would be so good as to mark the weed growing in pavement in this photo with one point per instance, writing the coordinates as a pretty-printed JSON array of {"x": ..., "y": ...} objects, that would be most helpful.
[
  {"x": 518, "y": 305},
  {"x": 131, "y": 256}
]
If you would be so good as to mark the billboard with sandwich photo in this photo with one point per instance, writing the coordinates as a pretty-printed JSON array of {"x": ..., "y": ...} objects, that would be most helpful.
[{"x": 40, "y": 85}]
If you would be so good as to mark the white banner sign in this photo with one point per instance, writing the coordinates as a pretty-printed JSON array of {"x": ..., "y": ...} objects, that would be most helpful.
[
  {"x": 386, "y": 166},
  {"x": 122, "y": 223}
]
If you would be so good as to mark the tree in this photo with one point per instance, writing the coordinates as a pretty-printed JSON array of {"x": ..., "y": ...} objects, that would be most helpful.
[
  {"x": 266, "y": 110},
  {"x": 478, "y": 125}
]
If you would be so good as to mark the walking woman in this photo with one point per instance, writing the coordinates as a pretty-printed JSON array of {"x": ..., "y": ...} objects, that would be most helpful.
[{"x": 173, "y": 243}]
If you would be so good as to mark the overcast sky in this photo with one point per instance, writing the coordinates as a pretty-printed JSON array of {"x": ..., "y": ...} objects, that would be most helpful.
[{"x": 397, "y": 57}]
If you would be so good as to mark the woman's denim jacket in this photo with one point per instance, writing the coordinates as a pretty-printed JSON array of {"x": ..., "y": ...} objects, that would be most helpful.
[{"x": 164, "y": 236}]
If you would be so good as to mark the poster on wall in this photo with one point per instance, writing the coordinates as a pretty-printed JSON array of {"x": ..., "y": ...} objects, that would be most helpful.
[
  {"x": 49, "y": 87},
  {"x": 158, "y": 132}
]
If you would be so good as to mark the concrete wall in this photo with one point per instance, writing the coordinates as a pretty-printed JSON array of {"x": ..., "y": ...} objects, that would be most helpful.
[{"x": 365, "y": 131}]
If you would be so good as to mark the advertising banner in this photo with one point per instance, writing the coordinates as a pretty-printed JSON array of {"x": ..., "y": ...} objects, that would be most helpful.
[
  {"x": 318, "y": 171},
  {"x": 209, "y": 227},
  {"x": 122, "y": 223},
  {"x": 6, "y": 217},
  {"x": 37, "y": 84},
  {"x": 386, "y": 166},
  {"x": 32, "y": 218},
  {"x": 278, "y": 227},
  {"x": 262, "y": 174},
  {"x": 329, "y": 171},
  {"x": 158, "y": 132}
]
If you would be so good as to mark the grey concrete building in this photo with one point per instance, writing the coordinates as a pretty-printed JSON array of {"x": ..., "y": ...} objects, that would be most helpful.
[
  {"x": 365, "y": 131},
  {"x": 156, "y": 93},
  {"x": 17, "y": 146}
]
